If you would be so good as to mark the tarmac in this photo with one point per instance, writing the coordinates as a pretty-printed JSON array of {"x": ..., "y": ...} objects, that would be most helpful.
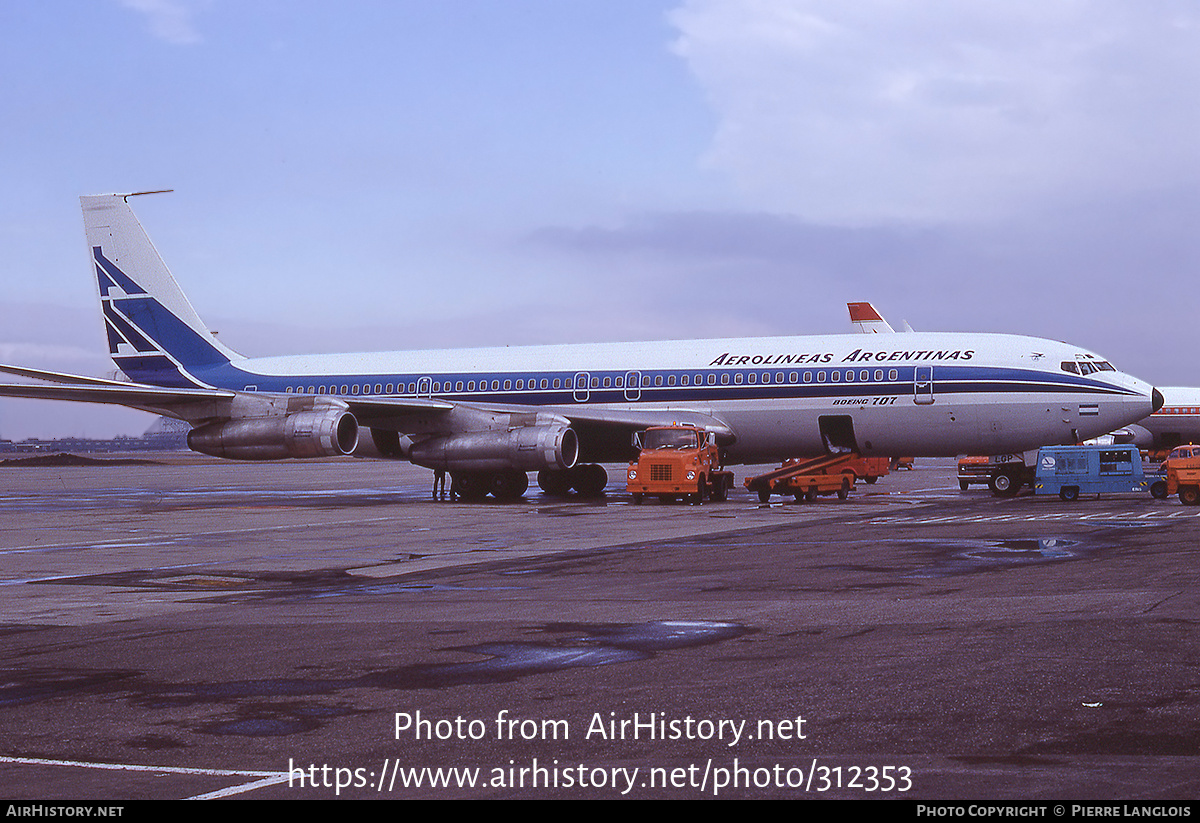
[{"x": 203, "y": 629}]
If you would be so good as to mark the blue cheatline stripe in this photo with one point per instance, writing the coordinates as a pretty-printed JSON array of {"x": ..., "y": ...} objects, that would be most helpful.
[{"x": 852, "y": 395}]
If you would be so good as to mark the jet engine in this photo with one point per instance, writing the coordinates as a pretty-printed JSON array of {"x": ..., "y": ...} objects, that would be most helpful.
[
  {"x": 326, "y": 433},
  {"x": 527, "y": 448}
]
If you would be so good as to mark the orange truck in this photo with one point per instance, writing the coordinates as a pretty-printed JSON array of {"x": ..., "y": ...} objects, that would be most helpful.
[
  {"x": 678, "y": 461},
  {"x": 1182, "y": 468}
]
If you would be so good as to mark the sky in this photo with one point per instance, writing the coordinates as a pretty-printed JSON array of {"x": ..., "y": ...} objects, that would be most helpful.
[{"x": 405, "y": 174}]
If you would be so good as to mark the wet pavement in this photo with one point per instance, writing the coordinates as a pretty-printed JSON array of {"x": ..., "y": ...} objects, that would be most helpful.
[{"x": 196, "y": 628}]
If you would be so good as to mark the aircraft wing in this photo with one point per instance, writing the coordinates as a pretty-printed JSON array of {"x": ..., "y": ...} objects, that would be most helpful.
[
  {"x": 82, "y": 389},
  {"x": 603, "y": 433}
]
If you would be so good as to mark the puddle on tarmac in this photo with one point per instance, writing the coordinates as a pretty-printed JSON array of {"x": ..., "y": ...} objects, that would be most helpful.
[
  {"x": 969, "y": 556},
  {"x": 567, "y": 646}
]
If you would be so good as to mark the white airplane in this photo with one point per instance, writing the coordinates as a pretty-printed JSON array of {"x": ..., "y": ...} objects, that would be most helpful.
[
  {"x": 1176, "y": 423},
  {"x": 489, "y": 416}
]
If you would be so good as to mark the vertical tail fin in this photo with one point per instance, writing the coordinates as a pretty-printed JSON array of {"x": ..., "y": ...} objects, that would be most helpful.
[
  {"x": 154, "y": 334},
  {"x": 867, "y": 319}
]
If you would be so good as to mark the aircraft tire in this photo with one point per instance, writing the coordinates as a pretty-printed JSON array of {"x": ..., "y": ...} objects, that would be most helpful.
[
  {"x": 555, "y": 483},
  {"x": 469, "y": 486},
  {"x": 509, "y": 484},
  {"x": 589, "y": 479}
]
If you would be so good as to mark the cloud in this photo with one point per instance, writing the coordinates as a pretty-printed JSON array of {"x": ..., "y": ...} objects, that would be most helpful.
[
  {"x": 169, "y": 20},
  {"x": 933, "y": 110}
]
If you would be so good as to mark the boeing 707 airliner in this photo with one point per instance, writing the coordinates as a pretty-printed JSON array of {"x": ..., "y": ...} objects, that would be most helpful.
[{"x": 489, "y": 416}]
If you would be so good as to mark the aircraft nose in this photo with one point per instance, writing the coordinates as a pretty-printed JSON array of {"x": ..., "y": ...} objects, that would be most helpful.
[{"x": 1157, "y": 398}]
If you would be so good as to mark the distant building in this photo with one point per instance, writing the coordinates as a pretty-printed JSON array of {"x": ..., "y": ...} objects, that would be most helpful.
[{"x": 166, "y": 434}]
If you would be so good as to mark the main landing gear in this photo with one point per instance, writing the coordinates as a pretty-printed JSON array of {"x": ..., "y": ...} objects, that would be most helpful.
[{"x": 587, "y": 480}]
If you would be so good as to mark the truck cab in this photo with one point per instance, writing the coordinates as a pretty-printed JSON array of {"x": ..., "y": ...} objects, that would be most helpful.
[
  {"x": 1182, "y": 469},
  {"x": 678, "y": 461}
]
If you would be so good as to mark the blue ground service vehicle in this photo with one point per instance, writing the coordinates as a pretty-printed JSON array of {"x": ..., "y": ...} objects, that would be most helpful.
[{"x": 1070, "y": 471}]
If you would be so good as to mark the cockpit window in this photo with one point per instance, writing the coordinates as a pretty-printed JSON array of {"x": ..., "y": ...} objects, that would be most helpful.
[{"x": 1086, "y": 366}]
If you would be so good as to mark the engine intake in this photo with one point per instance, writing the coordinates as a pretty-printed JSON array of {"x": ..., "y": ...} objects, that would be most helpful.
[
  {"x": 303, "y": 434},
  {"x": 527, "y": 448}
]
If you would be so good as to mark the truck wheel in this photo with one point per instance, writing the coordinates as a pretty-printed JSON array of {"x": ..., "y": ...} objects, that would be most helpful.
[
  {"x": 637, "y": 498},
  {"x": 1189, "y": 495},
  {"x": 764, "y": 495},
  {"x": 1158, "y": 490},
  {"x": 1005, "y": 483},
  {"x": 964, "y": 485},
  {"x": 1069, "y": 493},
  {"x": 717, "y": 490},
  {"x": 870, "y": 478},
  {"x": 844, "y": 491}
]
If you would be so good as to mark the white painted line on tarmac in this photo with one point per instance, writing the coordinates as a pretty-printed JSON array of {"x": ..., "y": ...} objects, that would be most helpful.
[{"x": 264, "y": 778}]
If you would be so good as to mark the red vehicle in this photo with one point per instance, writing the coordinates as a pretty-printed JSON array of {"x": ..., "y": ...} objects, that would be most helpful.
[
  {"x": 1182, "y": 468},
  {"x": 807, "y": 477},
  {"x": 678, "y": 461}
]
